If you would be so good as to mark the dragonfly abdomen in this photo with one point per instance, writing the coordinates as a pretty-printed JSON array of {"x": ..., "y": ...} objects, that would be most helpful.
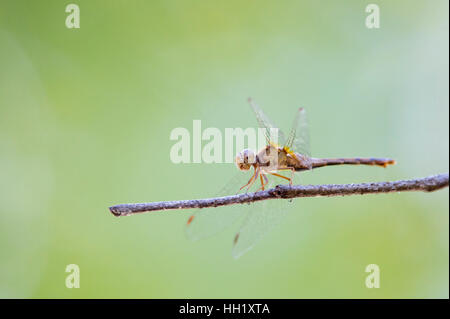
[{"x": 321, "y": 162}]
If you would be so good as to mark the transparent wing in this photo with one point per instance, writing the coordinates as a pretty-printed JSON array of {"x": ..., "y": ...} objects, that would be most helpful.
[
  {"x": 298, "y": 139},
  {"x": 206, "y": 222},
  {"x": 272, "y": 132},
  {"x": 262, "y": 218}
]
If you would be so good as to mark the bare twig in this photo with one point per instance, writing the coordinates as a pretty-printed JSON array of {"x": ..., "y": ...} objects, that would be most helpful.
[{"x": 427, "y": 184}]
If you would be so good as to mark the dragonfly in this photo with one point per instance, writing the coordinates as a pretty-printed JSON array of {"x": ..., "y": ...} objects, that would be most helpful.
[{"x": 281, "y": 155}]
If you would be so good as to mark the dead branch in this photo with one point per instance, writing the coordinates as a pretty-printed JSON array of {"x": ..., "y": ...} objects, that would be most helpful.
[{"x": 427, "y": 184}]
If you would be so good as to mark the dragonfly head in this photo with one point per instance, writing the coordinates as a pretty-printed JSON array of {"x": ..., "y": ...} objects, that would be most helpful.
[{"x": 245, "y": 159}]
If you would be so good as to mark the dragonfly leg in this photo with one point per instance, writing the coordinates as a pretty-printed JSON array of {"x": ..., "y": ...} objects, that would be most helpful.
[
  {"x": 292, "y": 176},
  {"x": 254, "y": 177},
  {"x": 262, "y": 182},
  {"x": 281, "y": 176},
  {"x": 286, "y": 178},
  {"x": 249, "y": 181}
]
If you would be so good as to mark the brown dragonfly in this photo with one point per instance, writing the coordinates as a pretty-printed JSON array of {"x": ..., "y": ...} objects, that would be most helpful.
[{"x": 281, "y": 154}]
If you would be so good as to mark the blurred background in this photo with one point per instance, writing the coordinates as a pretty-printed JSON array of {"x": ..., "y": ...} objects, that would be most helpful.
[{"x": 85, "y": 119}]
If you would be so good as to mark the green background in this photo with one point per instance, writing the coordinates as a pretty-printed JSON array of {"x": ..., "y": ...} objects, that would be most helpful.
[{"x": 85, "y": 118}]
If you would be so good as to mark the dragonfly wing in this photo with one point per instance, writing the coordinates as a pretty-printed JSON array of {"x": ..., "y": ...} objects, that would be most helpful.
[
  {"x": 298, "y": 139},
  {"x": 271, "y": 130},
  {"x": 262, "y": 218},
  {"x": 205, "y": 222}
]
